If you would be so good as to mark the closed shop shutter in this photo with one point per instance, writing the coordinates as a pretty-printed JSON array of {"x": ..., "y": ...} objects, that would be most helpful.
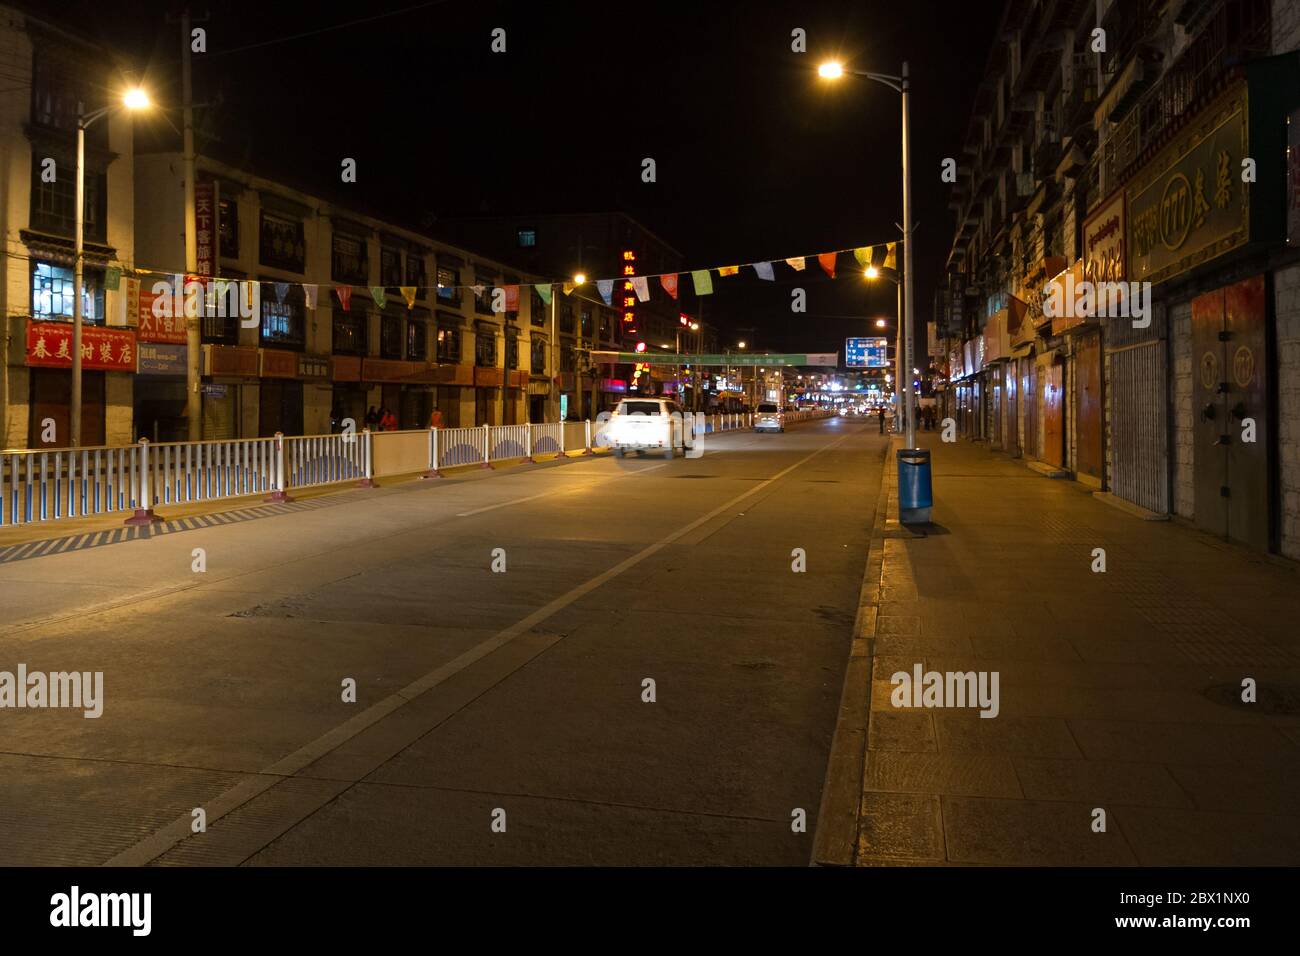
[
  {"x": 1138, "y": 425},
  {"x": 219, "y": 414}
]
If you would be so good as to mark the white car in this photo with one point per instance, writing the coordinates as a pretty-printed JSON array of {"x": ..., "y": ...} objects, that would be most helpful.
[
  {"x": 769, "y": 418},
  {"x": 648, "y": 424}
]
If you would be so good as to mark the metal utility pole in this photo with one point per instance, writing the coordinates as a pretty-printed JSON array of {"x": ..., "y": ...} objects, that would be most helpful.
[
  {"x": 193, "y": 341},
  {"x": 74, "y": 413},
  {"x": 907, "y": 260}
]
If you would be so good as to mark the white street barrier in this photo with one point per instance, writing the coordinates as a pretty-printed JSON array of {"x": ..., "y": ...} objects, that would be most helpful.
[{"x": 53, "y": 484}]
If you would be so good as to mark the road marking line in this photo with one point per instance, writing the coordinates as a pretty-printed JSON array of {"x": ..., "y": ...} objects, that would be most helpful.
[{"x": 169, "y": 836}]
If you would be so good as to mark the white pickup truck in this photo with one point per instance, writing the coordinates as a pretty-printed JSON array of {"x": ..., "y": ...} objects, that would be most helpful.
[{"x": 649, "y": 424}]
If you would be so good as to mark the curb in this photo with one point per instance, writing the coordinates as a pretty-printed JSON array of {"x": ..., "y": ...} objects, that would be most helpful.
[{"x": 836, "y": 838}]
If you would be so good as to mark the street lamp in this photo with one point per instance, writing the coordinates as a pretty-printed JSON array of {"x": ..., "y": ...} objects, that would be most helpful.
[
  {"x": 904, "y": 407},
  {"x": 578, "y": 279},
  {"x": 134, "y": 99},
  {"x": 834, "y": 70}
]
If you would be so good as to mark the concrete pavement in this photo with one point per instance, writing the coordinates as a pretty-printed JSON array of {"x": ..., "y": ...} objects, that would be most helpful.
[
  {"x": 476, "y": 691},
  {"x": 1120, "y": 690}
]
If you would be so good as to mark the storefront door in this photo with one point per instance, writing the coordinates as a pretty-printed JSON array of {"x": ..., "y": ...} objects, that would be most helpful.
[
  {"x": 1087, "y": 397},
  {"x": 1230, "y": 411},
  {"x": 51, "y": 401},
  {"x": 1053, "y": 419}
]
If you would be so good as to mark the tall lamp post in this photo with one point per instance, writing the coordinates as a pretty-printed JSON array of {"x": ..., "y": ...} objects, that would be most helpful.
[
  {"x": 135, "y": 99},
  {"x": 898, "y": 84},
  {"x": 872, "y": 273}
]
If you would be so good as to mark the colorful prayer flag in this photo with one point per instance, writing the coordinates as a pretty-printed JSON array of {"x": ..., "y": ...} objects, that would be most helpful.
[
  {"x": 642, "y": 288},
  {"x": 512, "y": 298},
  {"x": 309, "y": 295},
  {"x": 890, "y": 261},
  {"x": 281, "y": 290},
  {"x": 703, "y": 282},
  {"x": 827, "y": 260},
  {"x": 863, "y": 255},
  {"x": 344, "y": 293},
  {"x": 377, "y": 293},
  {"x": 728, "y": 270},
  {"x": 669, "y": 282},
  {"x": 797, "y": 263},
  {"x": 764, "y": 270},
  {"x": 408, "y": 293},
  {"x": 544, "y": 293},
  {"x": 606, "y": 287}
]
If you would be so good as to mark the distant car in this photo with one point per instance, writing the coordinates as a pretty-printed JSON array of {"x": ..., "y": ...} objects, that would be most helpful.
[
  {"x": 769, "y": 418},
  {"x": 648, "y": 424}
]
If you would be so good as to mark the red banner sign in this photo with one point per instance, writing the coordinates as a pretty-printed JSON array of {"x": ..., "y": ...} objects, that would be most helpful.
[
  {"x": 205, "y": 227},
  {"x": 163, "y": 329},
  {"x": 49, "y": 345}
]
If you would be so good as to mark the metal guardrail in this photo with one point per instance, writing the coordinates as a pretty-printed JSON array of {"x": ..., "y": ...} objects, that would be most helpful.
[{"x": 54, "y": 484}]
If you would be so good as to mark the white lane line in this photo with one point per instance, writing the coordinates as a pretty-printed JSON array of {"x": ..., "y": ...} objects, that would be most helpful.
[
  {"x": 547, "y": 494},
  {"x": 162, "y": 840}
]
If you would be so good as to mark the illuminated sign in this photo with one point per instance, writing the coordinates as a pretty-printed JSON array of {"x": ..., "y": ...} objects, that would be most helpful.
[
  {"x": 629, "y": 269},
  {"x": 866, "y": 353}
]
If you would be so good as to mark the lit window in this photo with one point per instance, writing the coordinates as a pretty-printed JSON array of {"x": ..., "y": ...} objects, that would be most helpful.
[{"x": 527, "y": 238}]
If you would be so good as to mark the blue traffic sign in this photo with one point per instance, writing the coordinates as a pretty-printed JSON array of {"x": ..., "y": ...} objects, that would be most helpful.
[{"x": 866, "y": 353}]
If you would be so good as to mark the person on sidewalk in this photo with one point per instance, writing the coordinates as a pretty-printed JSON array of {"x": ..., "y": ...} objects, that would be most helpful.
[
  {"x": 387, "y": 421},
  {"x": 372, "y": 418},
  {"x": 435, "y": 419},
  {"x": 880, "y": 413}
]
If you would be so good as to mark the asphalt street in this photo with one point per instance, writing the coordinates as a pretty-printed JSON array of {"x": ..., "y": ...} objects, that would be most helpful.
[{"x": 500, "y": 716}]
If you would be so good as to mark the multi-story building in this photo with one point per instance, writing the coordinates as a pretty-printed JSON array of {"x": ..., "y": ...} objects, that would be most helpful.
[
  {"x": 50, "y": 77},
  {"x": 601, "y": 245},
  {"x": 1138, "y": 150},
  {"x": 307, "y": 359}
]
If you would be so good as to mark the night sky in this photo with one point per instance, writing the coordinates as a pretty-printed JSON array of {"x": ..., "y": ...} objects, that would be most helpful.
[{"x": 757, "y": 158}]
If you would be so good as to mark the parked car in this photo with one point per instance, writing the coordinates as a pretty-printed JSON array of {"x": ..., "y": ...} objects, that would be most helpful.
[
  {"x": 648, "y": 424},
  {"x": 769, "y": 418}
]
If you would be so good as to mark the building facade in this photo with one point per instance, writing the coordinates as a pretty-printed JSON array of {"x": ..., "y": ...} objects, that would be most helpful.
[
  {"x": 418, "y": 332},
  {"x": 1122, "y": 282},
  {"x": 51, "y": 74}
]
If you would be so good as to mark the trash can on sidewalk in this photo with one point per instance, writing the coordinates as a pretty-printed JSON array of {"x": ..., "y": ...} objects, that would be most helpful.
[{"x": 914, "y": 493}]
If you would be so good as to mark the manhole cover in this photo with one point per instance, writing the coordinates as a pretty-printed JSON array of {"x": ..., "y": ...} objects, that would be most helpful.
[{"x": 1272, "y": 700}]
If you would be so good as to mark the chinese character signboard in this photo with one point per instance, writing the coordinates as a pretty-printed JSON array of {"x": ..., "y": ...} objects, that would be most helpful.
[
  {"x": 49, "y": 345},
  {"x": 866, "y": 353},
  {"x": 1189, "y": 204},
  {"x": 161, "y": 359},
  {"x": 1103, "y": 242},
  {"x": 164, "y": 329},
  {"x": 205, "y": 227}
]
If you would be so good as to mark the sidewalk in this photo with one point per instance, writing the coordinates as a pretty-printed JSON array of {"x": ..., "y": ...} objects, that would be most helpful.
[{"x": 1119, "y": 691}]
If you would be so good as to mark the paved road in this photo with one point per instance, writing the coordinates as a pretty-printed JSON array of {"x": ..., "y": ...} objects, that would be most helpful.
[{"x": 476, "y": 691}]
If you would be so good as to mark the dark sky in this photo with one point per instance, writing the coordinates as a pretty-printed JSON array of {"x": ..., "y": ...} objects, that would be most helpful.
[{"x": 756, "y": 157}]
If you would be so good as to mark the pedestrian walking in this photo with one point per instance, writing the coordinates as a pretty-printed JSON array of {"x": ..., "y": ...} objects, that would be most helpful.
[
  {"x": 387, "y": 421},
  {"x": 372, "y": 418},
  {"x": 881, "y": 415},
  {"x": 435, "y": 419}
]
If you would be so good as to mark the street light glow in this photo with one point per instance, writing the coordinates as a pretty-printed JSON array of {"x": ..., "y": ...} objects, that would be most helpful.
[
  {"x": 871, "y": 272},
  {"x": 136, "y": 99},
  {"x": 740, "y": 345},
  {"x": 580, "y": 278},
  {"x": 880, "y": 323},
  {"x": 831, "y": 70}
]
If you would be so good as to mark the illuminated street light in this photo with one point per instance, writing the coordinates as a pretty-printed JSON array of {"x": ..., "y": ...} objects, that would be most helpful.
[
  {"x": 134, "y": 99},
  {"x": 831, "y": 70},
  {"x": 871, "y": 272},
  {"x": 580, "y": 278}
]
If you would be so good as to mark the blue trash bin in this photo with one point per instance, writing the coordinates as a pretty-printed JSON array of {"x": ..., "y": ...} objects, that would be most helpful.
[{"x": 915, "y": 495}]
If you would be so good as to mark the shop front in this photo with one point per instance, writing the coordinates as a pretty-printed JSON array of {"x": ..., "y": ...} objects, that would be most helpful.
[{"x": 108, "y": 361}]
